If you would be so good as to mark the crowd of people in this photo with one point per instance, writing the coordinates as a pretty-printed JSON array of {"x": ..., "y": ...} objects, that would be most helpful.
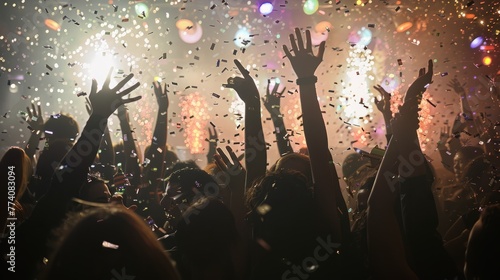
[{"x": 90, "y": 209}]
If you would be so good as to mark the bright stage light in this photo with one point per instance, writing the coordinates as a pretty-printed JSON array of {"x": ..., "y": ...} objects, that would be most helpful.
[
  {"x": 242, "y": 38},
  {"x": 266, "y": 8},
  {"x": 142, "y": 10},
  {"x": 358, "y": 100}
]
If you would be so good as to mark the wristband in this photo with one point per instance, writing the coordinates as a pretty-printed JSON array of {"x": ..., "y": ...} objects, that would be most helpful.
[{"x": 307, "y": 80}]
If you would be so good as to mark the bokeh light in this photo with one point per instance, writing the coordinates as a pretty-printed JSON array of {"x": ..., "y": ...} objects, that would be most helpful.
[
  {"x": 266, "y": 8},
  {"x": 191, "y": 35},
  {"x": 242, "y": 38},
  {"x": 487, "y": 60},
  {"x": 404, "y": 26},
  {"x": 52, "y": 24},
  {"x": 194, "y": 112},
  {"x": 142, "y": 10},
  {"x": 310, "y": 7},
  {"x": 476, "y": 42}
]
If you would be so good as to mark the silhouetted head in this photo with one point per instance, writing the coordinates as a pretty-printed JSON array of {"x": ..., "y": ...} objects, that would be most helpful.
[
  {"x": 95, "y": 190},
  {"x": 50, "y": 157},
  {"x": 16, "y": 168},
  {"x": 206, "y": 232},
  {"x": 296, "y": 162},
  {"x": 358, "y": 173},
  {"x": 282, "y": 211},
  {"x": 181, "y": 165},
  {"x": 61, "y": 127},
  {"x": 482, "y": 257},
  {"x": 106, "y": 243},
  {"x": 463, "y": 157},
  {"x": 189, "y": 183}
]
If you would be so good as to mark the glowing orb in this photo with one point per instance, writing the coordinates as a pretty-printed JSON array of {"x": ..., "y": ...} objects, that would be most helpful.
[
  {"x": 191, "y": 35},
  {"x": 266, "y": 8},
  {"x": 52, "y": 24},
  {"x": 362, "y": 38},
  {"x": 323, "y": 26},
  {"x": 142, "y": 10},
  {"x": 470, "y": 16},
  {"x": 310, "y": 7},
  {"x": 476, "y": 42},
  {"x": 404, "y": 26},
  {"x": 242, "y": 38},
  {"x": 487, "y": 60},
  {"x": 183, "y": 24},
  {"x": 317, "y": 38}
]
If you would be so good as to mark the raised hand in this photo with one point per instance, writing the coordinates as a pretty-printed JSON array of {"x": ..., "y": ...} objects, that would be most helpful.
[
  {"x": 35, "y": 118},
  {"x": 161, "y": 95},
  {"x": 272, "y": 99},
  {"x": 444, "y": 135},
  {"x": 384, "y": 104},
  {"x": 456, "y": 86},
  {"x": 245, "y": 87},
  {"x": 417, "y": 88},
  {"x": 107, "y": 100},
  {"x": 212, "y": 143},
  {"x": 88, "y": 106},
  {"x": 233, "y": 169},
  {"x": 304, "y": 62}
]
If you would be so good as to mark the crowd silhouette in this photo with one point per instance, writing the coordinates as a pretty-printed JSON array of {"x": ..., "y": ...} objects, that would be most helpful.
[{"x": 88, "y": 208}]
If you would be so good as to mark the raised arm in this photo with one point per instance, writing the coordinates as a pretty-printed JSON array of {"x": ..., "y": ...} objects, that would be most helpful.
[
  {"x": 384, "y": 106},
  {"x": 464, "y": 103},
  {"x": 74, "y": 167},
  {"x": 408, "y": 143},
  {"x": 35, "y": 122},
  {"x": 272, "y": 105},
  {"x": 327, "y": 191},
  {"x": 212, "y": 144},
  {"x": 132, "y": 163},
  {"x": 155, "y": 156},
  {"x": 385, "y": 242},
  {"x": 255, "y": 145},
  {"x": 106, "y": 150}
]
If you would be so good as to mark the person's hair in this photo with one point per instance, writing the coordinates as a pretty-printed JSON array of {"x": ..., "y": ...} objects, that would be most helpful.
[
  {"x": 61, "y": 126},
  {"x": 205, "y": 237},
  {"x": 476, "y": 174},
  {"x": 16, "y": 168},
  {"x": 178, "y": 165},
  {"x": 483, "y": 249},
  {"x": 469, "y": 153},
  {"x": 101, "y": 242},
  {"x": 294, "y": 161},
  {"x": 282, "y": 209},
  {"x": 190, "y": 179},
  {"x": 20, "y": 164},
  {"x": 50, "y": 158}
]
